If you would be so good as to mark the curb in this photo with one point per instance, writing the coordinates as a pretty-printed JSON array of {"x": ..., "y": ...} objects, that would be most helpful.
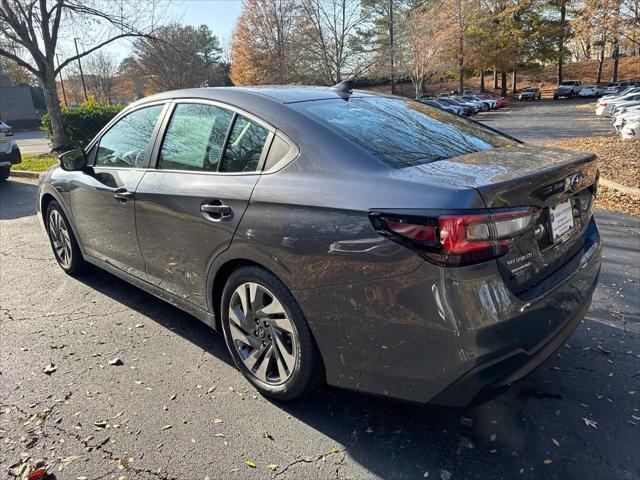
[
  {"x": 24, "y": 174},
  {"x": 633, "y": 191}
]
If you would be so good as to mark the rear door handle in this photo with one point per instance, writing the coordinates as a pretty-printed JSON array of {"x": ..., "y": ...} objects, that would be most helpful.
[
  {"x": 216, "y": 210},
  {"x": 122, "y": 195}
]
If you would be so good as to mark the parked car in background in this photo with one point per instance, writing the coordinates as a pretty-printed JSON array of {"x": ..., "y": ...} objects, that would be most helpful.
[
  {"x": 482, "y": 105},
  {"x": 461, "y": 109},
  {"x": 9, "y": 151},
  {"x": 631, "y": 130},
  {"x": 486, "y": 96},
  {"x": 568, "y": 88},
  {"x": 606, "y": 107},
  {"x": 626, "y": 91},
  {"x": 615, "y": 87},
  {"x": 370, "y": 242},
  {"x": 458, "y": 110},
  {"x": 529, "y": 93},
  {"x": 592, "y": 91},
  {"x": 631, "y": 115},
  {"x": 472, "y": 107},
  {"x": 499, "y": 100}
]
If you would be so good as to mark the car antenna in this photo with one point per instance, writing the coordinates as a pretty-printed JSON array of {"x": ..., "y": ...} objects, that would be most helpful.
[{"x": 344, "y": 89}]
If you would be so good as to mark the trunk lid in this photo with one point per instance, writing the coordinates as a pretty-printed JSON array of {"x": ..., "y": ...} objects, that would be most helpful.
[{"x": 560, "y": 184}]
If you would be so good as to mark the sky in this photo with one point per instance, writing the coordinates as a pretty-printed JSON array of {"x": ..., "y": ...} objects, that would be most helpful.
[{"x": 219, "y": 15}]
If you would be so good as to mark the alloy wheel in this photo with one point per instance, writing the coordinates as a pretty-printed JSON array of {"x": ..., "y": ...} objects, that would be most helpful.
[
  {"x": 262, "y": 333},
  {"x": 60, "y": 238}
]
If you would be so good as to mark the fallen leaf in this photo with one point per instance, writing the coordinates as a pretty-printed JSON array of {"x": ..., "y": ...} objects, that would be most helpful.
[
  {"x": 39, "y": 474},
  {"x": 220, "y": 435},
  {"x": 272, "y": 467},
  {"x": 267, "y": 435},
  {"x": 166, "y": 427},
  {"x": 216, "y": 420},
  {"x": 590, "y": 423},
  {"x": 492, "y": 437},
  {"x": 250, "y": 463},
  {"x": 211, "y": 389},
  {"x": 555, "y": 442},
  {"x": 547, "y": 461},
  {"x": 116, "y": 362},
  {"x": 49, "y": 369},
  {"x": 101, "y": 424},
  {"x": 369, "y": 430}
]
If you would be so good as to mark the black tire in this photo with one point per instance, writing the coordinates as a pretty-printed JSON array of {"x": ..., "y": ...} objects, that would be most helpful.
[
  {"x": 5, "y": 172},
  {"x": 308, "y": 372},
  {"x": 76, "y": 264},
  {"x": 555, "y": 96}
]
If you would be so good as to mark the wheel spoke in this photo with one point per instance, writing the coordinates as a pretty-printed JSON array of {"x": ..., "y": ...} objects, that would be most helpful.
[
  {"x": 239, "y": 318},
  {"x": 275, "y": 308},
  {"x": 283, "y": 324},
  {"x": 262, "y": 370},
  {"x": 286, "y": 355},
  {"x": 241, "y": 336},
  {"x": 254, "y": 357}
]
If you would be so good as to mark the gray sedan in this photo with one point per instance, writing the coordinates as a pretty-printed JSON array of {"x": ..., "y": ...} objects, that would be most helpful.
[{"x": 370, "y": 242}]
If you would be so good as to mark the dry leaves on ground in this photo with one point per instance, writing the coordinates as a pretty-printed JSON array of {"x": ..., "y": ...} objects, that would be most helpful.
[{"x": 618, "y": 161}]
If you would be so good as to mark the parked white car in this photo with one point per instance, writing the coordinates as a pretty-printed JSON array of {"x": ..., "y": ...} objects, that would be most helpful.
[
  {"x": 9, "y": 151},
  {"x": 632, "y": 114},
  {"x": 591, "y": 91},
  {"x": 605, "y": 106},
  {"x": 631, "y": 129}
]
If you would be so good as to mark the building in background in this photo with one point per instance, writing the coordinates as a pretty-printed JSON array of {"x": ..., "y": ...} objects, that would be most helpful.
[{"x": 21, "y": 104}]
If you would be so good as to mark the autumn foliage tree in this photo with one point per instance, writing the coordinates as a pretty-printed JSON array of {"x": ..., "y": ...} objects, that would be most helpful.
[{"x": 265, "y": 44}]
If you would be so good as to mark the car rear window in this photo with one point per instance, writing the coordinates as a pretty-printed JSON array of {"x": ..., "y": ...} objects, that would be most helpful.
[{"x": 403, "y": 133}]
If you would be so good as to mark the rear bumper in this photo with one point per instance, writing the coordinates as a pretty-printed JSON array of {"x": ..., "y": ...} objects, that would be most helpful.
[
  {"x": 10, "y": 158},
  {"x": 448, "y": 336}
]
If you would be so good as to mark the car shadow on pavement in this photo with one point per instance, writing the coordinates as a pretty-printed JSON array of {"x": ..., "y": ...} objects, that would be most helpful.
[
  {"x": 161, "y": 312},
  {"x": 17, "y": 199}
]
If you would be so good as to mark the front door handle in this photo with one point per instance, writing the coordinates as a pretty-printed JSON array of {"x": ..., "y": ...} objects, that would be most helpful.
[
  {"x": 122, "y": 195},
  {"x": 216, "y": 210}
]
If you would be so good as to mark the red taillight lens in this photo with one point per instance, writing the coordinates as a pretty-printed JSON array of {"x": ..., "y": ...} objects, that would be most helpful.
[{"x": 457, "y": 238}]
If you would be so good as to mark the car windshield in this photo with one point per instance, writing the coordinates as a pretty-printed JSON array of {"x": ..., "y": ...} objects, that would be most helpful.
[
  {"x": 403, "y": 133},
  {"x": 529, "y": 89}
]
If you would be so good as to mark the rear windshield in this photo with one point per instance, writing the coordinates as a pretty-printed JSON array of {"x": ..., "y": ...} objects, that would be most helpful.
[{"x": 403, "y": 133}]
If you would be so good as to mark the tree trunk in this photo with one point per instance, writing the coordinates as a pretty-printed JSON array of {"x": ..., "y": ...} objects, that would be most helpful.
[
  {"x": 616, "y": 59},
  {"x": 461, "y": 65},
  {"x": 60, "y": 141},
  {"x": 503, "y": 83},
  {"x": 600, "y": 62},
  {"x": 563, "y": 18},
  {"x": 514, "y": 81},
  {"x": 482, "y": 88},
  {"x": 495, "y": 78}
]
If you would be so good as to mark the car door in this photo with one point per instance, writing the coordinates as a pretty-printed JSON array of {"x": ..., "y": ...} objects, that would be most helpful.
[
  {"x": 103, "y": 197},
  {"x": 189, "y": 206}
]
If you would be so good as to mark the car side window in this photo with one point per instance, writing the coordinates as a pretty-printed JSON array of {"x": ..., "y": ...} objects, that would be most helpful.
[
  {"x": 195, "y": 138},
  {"x": 244, "y": 147},
  {"x": 125, "y": 143}
]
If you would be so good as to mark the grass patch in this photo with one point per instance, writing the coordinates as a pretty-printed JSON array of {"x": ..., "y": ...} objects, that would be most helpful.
[{"x": 33, "y": 162}]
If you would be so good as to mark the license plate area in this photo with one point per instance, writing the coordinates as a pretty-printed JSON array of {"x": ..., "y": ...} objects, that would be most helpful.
[{"x": 561, "y": 220}]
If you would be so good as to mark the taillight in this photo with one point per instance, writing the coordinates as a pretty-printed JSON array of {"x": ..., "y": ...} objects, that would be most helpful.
[{"x": 456, "y": 238}]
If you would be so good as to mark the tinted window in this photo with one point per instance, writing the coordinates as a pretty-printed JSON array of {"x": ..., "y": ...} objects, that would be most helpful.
[
  {"x": 195, "y": 138},
  {"x": 245, "y": 146},
  {"x": 126, "y": 143},
  {"x": 403, "y": 133}
]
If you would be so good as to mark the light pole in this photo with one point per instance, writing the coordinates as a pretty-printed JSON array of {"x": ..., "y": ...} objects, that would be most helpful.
[
  {"x": 64, "y": 95},
  {"x": 84, "y": 87}
]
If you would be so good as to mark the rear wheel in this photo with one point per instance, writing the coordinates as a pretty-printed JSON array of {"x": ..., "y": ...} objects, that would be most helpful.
[
  {"x": 4, "y": 172},
  {"x": 63, "y": 242},
  {"x": 268, "y": 336}
]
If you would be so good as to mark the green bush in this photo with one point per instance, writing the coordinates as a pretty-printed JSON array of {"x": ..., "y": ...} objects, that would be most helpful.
[{"x": 82, "y": 123}]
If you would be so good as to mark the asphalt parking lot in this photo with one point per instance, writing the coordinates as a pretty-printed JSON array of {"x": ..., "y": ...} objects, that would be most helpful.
[
  {"x": 546, "y": 120},
  {"x": 177, "y": 409}
]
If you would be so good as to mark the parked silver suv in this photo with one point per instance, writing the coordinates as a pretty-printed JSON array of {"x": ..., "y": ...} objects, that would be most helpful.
[{"x": 568, "y": 88}]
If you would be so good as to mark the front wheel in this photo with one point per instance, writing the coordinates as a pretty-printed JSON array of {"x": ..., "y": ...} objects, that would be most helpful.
[
  {"x": 4, "y": 172},
  {"x": 63, "y": 242},
  {"x": 268, "y": 336}
]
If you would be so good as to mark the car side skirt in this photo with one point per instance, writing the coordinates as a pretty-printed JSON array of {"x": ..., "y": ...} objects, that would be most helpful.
[{"x": 174, "y": 300}]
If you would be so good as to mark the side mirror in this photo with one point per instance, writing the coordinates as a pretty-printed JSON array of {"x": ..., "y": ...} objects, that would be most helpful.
[{"x": 73, "y": 160}]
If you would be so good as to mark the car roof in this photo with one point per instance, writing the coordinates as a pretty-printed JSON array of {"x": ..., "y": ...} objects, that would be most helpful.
[{"x": 278, "y": 93}]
